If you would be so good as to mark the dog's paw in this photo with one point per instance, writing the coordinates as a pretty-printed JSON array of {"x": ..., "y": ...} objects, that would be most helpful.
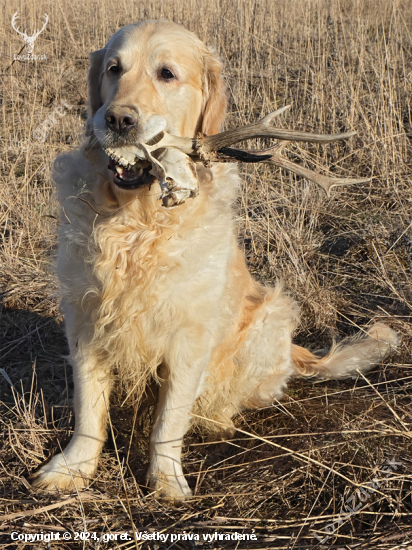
[
  {"x": 61, "y": 473},
  {"x": 169, "y": 487}
]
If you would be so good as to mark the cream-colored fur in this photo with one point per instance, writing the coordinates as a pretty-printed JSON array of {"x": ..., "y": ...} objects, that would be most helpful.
[{"x": 165, "y": 293}]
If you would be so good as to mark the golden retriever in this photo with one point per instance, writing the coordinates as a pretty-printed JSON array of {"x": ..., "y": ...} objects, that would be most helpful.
[{"x": 150, "y": 292}]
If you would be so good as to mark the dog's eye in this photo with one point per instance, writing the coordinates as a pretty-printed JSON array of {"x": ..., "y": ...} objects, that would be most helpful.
[
  {"x": 166, "y": 74},
  {"x": 114, "y": 68}
]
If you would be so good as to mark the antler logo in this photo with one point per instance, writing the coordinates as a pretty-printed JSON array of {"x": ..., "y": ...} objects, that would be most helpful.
[{"x": 28, "y": 40}]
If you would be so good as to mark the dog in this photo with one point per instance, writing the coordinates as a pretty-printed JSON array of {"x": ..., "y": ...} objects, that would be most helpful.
[{"x": 164, "y": 294}]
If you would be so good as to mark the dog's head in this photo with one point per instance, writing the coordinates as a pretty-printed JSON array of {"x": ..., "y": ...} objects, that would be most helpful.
[{"x": 150, "y": 77}]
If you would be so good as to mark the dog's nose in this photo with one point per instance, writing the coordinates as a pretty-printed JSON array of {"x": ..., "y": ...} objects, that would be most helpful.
[{"x": 121, "y": 120}]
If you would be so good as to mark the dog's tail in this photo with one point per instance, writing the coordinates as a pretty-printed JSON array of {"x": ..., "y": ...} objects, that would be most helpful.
[{"x": 359, "y": 352}]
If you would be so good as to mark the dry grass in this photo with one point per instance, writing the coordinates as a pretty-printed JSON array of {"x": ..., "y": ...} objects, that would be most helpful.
[{"x": 343, "y": 64}]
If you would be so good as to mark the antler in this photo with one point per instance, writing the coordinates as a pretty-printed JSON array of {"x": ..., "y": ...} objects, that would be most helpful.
[
  {"x": 36, "y": 33},
  {"x": 13, "y": 22}
]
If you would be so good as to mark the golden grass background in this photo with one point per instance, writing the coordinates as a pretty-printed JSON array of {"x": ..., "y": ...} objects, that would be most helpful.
[{"x": 343, "y": 65}]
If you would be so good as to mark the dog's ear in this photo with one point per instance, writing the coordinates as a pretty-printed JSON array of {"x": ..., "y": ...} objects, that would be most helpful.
[
  {"x": 94, "y": 79},
  {"x": 214, "y": 111}
]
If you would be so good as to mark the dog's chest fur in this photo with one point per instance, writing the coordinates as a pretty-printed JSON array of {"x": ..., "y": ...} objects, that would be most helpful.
[{"x": 145, "y": 272}]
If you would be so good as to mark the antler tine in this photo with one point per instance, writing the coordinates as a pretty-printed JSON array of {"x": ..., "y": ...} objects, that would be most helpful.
[
  {"x": 326, "y": 182},
  {"x": 273, "y": 155},
  {"x": 263, "y": 128}
]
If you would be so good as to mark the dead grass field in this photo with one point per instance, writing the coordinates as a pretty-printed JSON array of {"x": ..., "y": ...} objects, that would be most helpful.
[{"x": 342, "y": 64}]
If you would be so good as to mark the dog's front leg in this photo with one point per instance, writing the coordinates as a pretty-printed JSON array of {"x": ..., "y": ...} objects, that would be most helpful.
[
  {"x": 183, "y": 375},
  {"x": 78, "y": 461}
]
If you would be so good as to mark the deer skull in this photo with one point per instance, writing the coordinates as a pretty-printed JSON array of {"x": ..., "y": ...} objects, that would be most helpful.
[{"x": 172, "y": 158}]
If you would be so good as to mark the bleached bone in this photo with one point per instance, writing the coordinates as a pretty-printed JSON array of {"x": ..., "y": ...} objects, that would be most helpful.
[{"x": 176, "y": 173}]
